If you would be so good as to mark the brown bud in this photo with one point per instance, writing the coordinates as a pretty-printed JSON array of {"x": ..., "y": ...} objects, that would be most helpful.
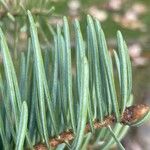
[{"x": 134, "y": 113}]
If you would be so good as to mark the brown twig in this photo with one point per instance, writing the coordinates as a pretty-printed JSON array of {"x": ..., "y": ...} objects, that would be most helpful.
[
  {"x": 130, "y": 115},
  {"x": 4, "y": 13}
]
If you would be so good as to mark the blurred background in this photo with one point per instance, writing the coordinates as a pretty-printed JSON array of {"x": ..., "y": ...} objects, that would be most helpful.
[{"x": 132, "y": 17}]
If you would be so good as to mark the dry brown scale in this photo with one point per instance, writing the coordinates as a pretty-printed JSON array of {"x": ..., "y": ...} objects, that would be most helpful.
[
  {"x": 134, "y": 113},
  {"x": 130, "y": 115}
]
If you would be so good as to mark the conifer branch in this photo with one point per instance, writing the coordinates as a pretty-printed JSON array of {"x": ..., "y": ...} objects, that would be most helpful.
[
  {"x": 129, "y": 117},
  {"x": 48, "y": 92}
]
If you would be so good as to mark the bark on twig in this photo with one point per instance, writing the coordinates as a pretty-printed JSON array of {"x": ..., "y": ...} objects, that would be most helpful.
[{"x": 130, "y": 115}]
